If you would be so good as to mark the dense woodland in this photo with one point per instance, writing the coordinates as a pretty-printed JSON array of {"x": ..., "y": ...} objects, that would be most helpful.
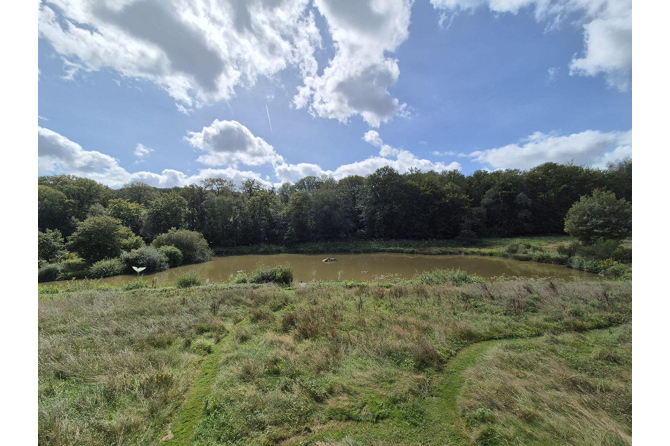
[{"x": 384, "y": 205}]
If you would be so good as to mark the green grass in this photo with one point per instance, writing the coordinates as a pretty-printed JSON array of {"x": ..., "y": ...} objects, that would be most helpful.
[{"x": 324, "y": 364}]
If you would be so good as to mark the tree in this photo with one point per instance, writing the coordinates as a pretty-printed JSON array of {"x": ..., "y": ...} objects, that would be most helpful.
[
  {"x": 219, "y": 226},
  {"x": 97, "y": 238},
  {"x": 52, "y": 209},
  {"x": 192, "y": 244},
  {"x": 166, "y": 212},
  {"x": 600, "y": 216},
  {"x": 131, "y": 214},
  {"x": 138, "y": 192},
  {"x": 81, "y": 193},
  {"x": 50, "y": 245}
]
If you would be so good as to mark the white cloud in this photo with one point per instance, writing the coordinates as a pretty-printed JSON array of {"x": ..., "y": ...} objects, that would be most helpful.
[
  {"x": 588, "y": 148},
  {"x": 198, "y": 51},
  {"x": 57, "y": 154},
  {"x": 403, "y": 162},
  {"x": 142, "y": 151},
  {"x": 229, "y": 143},
  {"x": 357, "y": 79},
  {"x": 607, "y": 28},
  {"x": 448, "y": 153},
  {"x": 385, "y": 150}
]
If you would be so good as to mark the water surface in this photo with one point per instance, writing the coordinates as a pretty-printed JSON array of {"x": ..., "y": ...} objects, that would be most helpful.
[{"x": 364, "y": 267}]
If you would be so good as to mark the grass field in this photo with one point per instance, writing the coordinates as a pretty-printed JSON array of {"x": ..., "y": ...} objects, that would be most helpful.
[{"x": 500, "y": 362}]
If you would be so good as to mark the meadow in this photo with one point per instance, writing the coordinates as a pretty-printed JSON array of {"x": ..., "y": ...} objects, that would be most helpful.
[{"x": 444, "y": 358}]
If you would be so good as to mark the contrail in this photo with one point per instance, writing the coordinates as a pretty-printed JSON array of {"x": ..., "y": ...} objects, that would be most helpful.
[
  {"x": 268, "y": 112},
  {"x": 230, "y": 108}
]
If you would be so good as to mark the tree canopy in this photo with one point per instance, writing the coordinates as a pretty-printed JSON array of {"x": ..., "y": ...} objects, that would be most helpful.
[
  {"x": 386, "y": 204},
  {"x": 599, "y": 216}
]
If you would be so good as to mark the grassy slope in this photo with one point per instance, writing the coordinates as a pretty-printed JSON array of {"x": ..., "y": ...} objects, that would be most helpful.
[{"x": 365, "y": 365}]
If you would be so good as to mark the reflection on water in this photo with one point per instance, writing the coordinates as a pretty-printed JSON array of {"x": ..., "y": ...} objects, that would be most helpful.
[{"x": 360, "y": 267}]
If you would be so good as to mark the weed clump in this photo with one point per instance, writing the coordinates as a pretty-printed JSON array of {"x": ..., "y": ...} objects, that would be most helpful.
[
  {"x": 281, "y": 274},
  {"x": 451, "y": 276},
  {"x": 188, "y": 280}
]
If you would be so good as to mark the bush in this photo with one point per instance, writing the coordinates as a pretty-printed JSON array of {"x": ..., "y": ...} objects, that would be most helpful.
[
  {"x": 173, "y": 254},
  {"x": 106, "y": 268},
  {"x": 569, "y": 249},
  {"x": 192, "y": 244},
  {"x": 600, "y": 249},
  {"x": 49, "y": 272},
  {"x": 188, "y": 279},
  {"x": 466, "y": 237},
  {"x": 148, "y": 256},
  {"x": 612, "y": 269},
  {"x": 282, "y": 274},
  {"x": 440, "y": 276},
  {"x": 98, "y": 238},
  {"x": 599, "y": 216}
]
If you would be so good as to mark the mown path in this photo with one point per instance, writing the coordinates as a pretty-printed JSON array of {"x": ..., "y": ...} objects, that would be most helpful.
[
  {"x": 443, "y": 424},
  {"x": 192, "y": 409}
]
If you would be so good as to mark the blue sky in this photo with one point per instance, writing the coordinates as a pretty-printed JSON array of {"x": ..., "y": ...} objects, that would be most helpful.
[{"x": 145, "y": 90}]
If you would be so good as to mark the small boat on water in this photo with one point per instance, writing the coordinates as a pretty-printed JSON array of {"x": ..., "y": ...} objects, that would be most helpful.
[{"x": 329, "y": 259}]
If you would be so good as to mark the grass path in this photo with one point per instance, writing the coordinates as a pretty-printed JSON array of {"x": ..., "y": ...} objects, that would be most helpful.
[
  {"x": 442, "y": 408},
  {"x": 192, "y": 409},
  {"x": 443, "y": 424}
]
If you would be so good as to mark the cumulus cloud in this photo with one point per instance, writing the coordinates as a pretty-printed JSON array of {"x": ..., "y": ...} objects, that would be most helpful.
[
  {"x": 607, "y": 25},
  {"x": 357, "y": 79},
  {"x": 385, "y": 150},
  {"x": 403, "y": 162},
  {"x": 198, "y": 51},
  {"x": 588, "y": 148},
  {"x": 141, "y": 152},
  {"x": 229, "y": 143},
  {"x": 58, "y": 154}
]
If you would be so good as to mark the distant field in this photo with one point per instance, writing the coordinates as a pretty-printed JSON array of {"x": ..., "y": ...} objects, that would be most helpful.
[{"x": 502, "y": 362}]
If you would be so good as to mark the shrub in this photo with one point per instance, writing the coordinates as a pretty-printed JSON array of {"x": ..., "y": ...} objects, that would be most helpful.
[
  {"x": 282, "y": 274},
  {"x": 466, "y": 237},
  {"x": 241, "y": 278},
  {"x": 106, "y": 268},
  {"x": 97, "y": 238},
  {"x": 188, "y": 279},
  {"x": 148, "y": 256},
  {"x": 173, "y": 254},
  {"x": 569, "y": 249},
  {"x": 192, "y": 244},
  {"x": 49, "y": 272},
  {"x": 599, "y": 216},
  {"x": 612, "y": 269},
  {"x": 440, "y": 276},
  {"x": 600, "y": 249}
]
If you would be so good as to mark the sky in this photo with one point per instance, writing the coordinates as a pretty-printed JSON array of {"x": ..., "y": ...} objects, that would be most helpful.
[{"x": 172, "y": 92}]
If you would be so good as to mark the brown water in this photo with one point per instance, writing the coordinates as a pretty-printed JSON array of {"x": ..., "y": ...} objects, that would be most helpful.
[{"x": 364, "y": 267}]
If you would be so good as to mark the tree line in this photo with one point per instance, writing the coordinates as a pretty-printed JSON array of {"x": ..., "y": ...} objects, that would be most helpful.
[{"x": 383, "y": 205}]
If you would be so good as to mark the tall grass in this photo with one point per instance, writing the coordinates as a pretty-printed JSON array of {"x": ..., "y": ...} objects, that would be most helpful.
[{"x": 361, "y": 361}]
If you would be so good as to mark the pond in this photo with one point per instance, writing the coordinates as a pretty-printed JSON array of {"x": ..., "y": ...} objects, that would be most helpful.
[{"x": 362, "y": 267}]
